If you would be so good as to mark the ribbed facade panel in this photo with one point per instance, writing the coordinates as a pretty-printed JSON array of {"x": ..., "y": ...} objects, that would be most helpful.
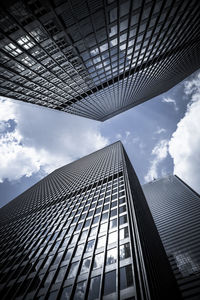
[
  {"x": 176, "y": 212},
  {"x": 80, "y": 233},
  {"x": 96, "y": 58}
]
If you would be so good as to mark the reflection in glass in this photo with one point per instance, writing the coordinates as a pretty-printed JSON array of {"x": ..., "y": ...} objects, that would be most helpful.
[
  {"x": 123, "y": 219},
  {"x": 73, "y": 270},
  {"x": 68, "y": 254},
  {"x": 109, "y": 283},
  {"x": 101, "y": 241},
  {"x": 79, "y": 249},
  {"x": 94, "y": 288},
  {"x": 80, "y": 290},
  {"x": 85, "y": 265},
  {"x": 66, "y": 293},
  {"x": 113, "y": 212},
  {"x": 49, "y": 277},
  {"x": 61, "y": 274},
  {"x": 123, "y": 233},
  {"x": 93, "y": 231},
  {"x": 111, "y": 256},
  {"x": 103, "y": 227},
  {"x": 124, "y": 251},
  {"x": 126, "y": 277},
  {"x": 98, "y": 260},
  {"x": 83, "y": 234},
  {"x": 58, "y": 257},
  {"x": 112, "y": 237},
  {"x": 113, "y": 223},
  {"x": 90, "y": 245}
]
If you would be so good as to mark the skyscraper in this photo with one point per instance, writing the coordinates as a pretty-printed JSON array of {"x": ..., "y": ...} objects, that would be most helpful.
[
  {"x": 96, "y": 58},
  {"x": 84, "y": 232},
  {"x": 176, "y": 211}
]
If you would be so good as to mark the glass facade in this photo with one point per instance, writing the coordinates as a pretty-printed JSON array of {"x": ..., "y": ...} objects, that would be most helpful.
[
  {"x": 96, "y": 58},
  {"x": 176, "y": 211},
  {"x": 81, "y": 245}
]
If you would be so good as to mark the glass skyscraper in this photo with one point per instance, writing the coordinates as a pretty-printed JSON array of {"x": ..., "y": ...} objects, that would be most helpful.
[
  {"x": 96, "y": 58},
  {"x": 84, "y": 232},
  {"x": 176, "y": 211}
]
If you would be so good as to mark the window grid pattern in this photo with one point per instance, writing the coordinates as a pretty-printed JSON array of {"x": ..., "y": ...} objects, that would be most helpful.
[
  {"x": 96, "y": 58},
  {"x": 72, "y": 246}
]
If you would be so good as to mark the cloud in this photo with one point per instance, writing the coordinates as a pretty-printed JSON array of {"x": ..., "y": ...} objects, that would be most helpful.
[
  {"x": 160, "y": 152},
  {"x": 123, "y": 137},
  {"x": 170, "y": 100},
  {"x": 42, "y": 139},
  {"x": 160, "y": 130},
  {"x": 184, "y": 146}
]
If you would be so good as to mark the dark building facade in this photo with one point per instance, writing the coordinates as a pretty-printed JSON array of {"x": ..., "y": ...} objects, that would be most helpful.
[
  {"x": 84, "y": 232},
  {"x": 96, "y": 58},
  {"x": 176, "y": 211}
]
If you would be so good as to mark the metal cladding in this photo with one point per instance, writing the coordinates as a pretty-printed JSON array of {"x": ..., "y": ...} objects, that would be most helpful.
[
  {"x": 96, "y": 58},
  {"x": 84, "y": 232},
  {"x": 176, "y": 211}
]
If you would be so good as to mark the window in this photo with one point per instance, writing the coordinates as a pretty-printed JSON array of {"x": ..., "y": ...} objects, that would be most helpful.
[
  {"x": 49, "y": 277},
  {"x": 124, "y": 251},
  {"x": 101, "y": 241},
  {"x": 122, "y": 209},
  {"x": 109, "y": 283},
  {"x": 83, "y": 234},
  {"x": 73, "y": 270},
  {"x": 112, "y": 237},
  {"x": 98, "y": 260},
  {"x": 113, "y": 223},
  {"x": 113, "y": 212},
  {"x": 111, "y": 256},
  {"x": 90, "y": 245},
  {"x": 58, "y": 258},
  {"x": 79, "y": 249},
  {"x": 103, "y": 227},
  {"x": 66, "y": 293},
  {"x": 123, "y": 233},
  {"x": 126, "y": 277},
  {"x": 85, "y": 265},
  {"x": 93, "y": 231},
  {"x": 68, "y": 254},
  {"x": 94, "y": 288},
  {"x": 61, "y": 274},
  {"x": 123, "y": 219},
  {"x": 80, "y": 290}
]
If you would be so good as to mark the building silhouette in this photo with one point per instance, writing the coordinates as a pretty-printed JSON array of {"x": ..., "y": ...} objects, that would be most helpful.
[
  {"x": 96, "y": 58},
  {"x": 84, "y": 232},
  {"x": 176, "y": 211}
]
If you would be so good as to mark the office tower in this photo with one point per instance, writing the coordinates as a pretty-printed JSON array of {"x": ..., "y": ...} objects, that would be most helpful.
[
  {"x": 96, "y": 58},
  {"x": 176, "y": 211},
  {"x": 85, "y": 230}
]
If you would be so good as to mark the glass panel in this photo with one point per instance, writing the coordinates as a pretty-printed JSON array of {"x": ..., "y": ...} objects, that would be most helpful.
[
  {"x": 123, "y": 233},
  {"x": 98, "y": 260},
  {"x": 113, "y": 223},
  {"x": 111, "y": 256},
  {"x": 61, "y": 274},
  {"x": 49, "y": 277},
  {"x": 83, "y": 234},
  {"x": 122, "y": 209},
  {"x": 101, "y": 241},
  {"x": 85, "y": 265},
  {"x": 66, "y": 293},
  {"x": 113, "y": 212},
  {"x": 79, "y": 249},
  {"x": 93, "y": 231},
  {"x": 123, "y": 219},
  {"x": 126, "y": 277},
  {"x": 94, "y": 288},
  {"x": 103, "y": 227},
  {"x": 109, "y": 283},
  {"x": 80, "y": 290},
  {"x": 112, "y": 237},
  {"x": 90, "y": 245},
  {"x": 124, "y": 251},
  {"x": 68, "y": 254},
  {"x": 73, "y": 270}
]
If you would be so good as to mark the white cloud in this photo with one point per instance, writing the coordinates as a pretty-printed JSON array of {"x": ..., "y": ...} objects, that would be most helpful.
[
  {"x": 184, "y": 146},
  {"x": 42, "y": 139},
  {"x": 170, "y": 100},
  {"x": 160, "y": 130},
  {"x": 160, "y": 152}
]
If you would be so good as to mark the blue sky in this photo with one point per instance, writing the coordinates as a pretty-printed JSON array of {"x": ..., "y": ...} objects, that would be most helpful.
[{"x": 161, "y": 136}]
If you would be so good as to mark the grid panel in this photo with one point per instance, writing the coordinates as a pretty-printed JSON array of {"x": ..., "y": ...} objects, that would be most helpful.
[{"x": 100, "y": 57}]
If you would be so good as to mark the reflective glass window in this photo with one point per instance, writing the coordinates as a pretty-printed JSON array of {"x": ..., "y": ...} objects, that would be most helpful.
[
  {"x": 49, "y": 277},
  {"x": 85, "y": 265},
  {"x": 90, "y": 245},
  {"x": 68, "y": 254},
  {"x": 123, "y": 219},
  {"x": 73, "y": 270},
  {"x": 111, "y": 256},
  {"x": 101, "y": 241},
  {"x": 93, "y": 231},
  {"x": 124, "y": 251},
  {"x": 84, "y": 234},
  {"x": 123, "y": 233},
  {"x": 109, "y": 283},
  {"x": 80, "y": 290},
  {"x": 94, "y": 288},
  {"x": 79, "y": 249},
  {"x": 66, "y": 293},
  {"x": 122, "y": 209},
  {"x": 113, "y": 223},
  {"x": 103, "y": 227},
  {"x": 126, "y": 277},
  {"x": 112, "y": 237},
  {"x": 61, "y": 274},
  {"x": 98, "y": 260},
  {"x": 113, "y": 212}
]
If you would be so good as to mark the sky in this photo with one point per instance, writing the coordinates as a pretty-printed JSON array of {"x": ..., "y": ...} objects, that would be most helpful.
[{"x": 161, "y": 137}]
